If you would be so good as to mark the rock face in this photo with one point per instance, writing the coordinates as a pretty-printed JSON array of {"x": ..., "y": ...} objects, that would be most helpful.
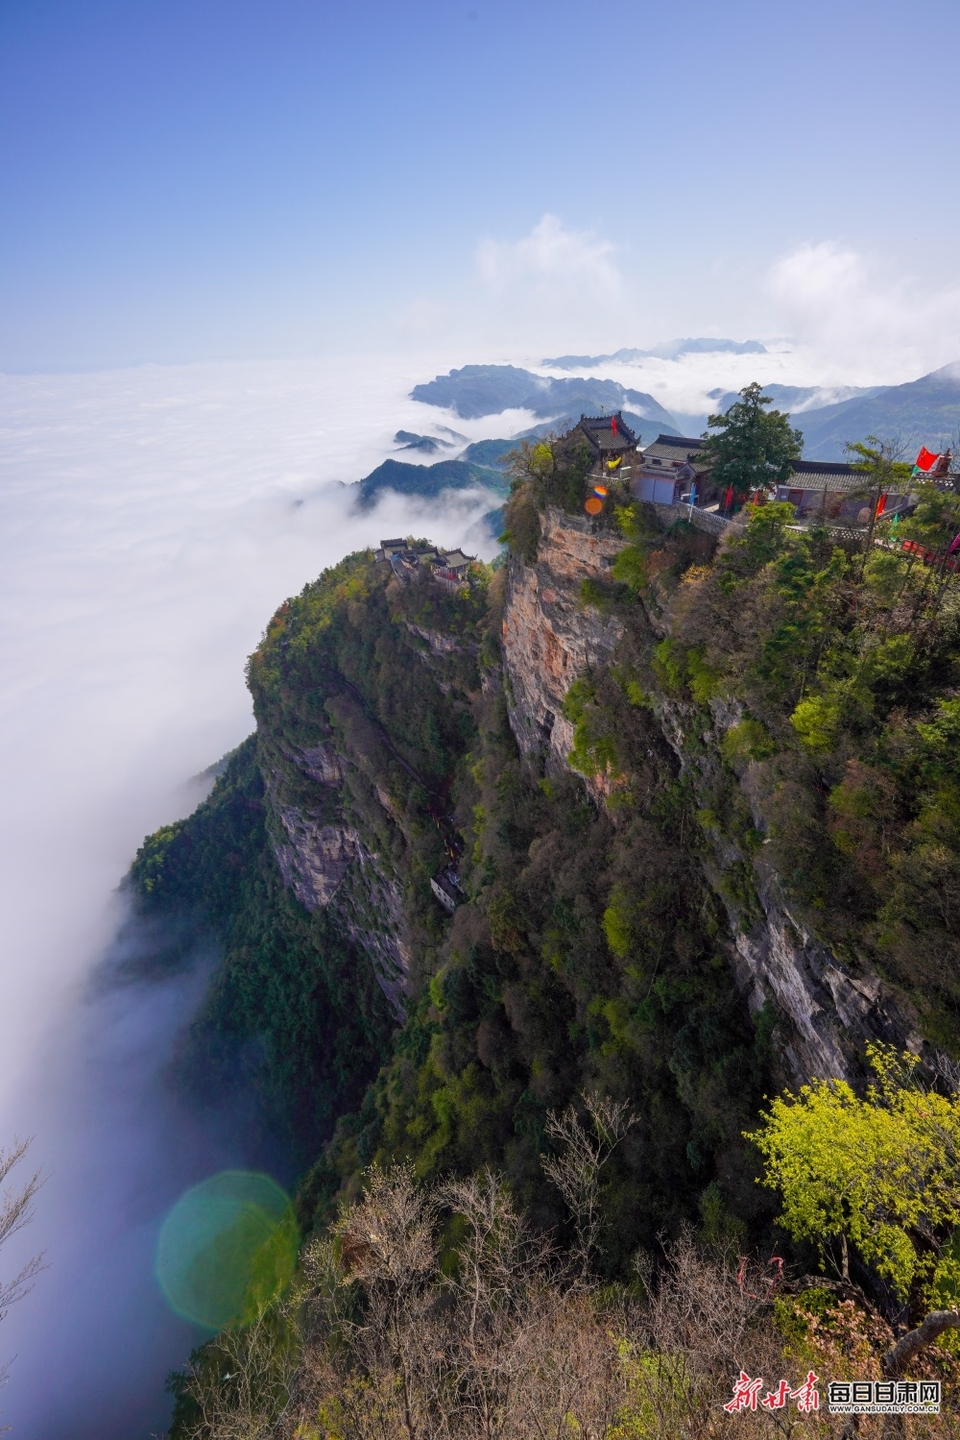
[
  {"x": 830, "y": 1012},
  {"x": 320, "y": 763},
  {"x": 369, "y": 905},
  {"x": 549, "y": 636},
  {"x": 314, "y": 861},
  {"x": 826, "y": 1013},
  {"x": 325, "y": 863}
]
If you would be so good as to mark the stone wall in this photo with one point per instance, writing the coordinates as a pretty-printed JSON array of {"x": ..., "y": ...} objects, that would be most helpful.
[{"x": 706, "y": 520}]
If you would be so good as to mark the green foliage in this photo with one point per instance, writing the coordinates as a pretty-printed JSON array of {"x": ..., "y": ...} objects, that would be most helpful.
[
  {"x": 940, "y": 740},
  {"x": 618, "y": 921},
  {"x": 669, "y": 665},
  {"x": 544, "y": 472},
  {"x": 882, "y": 1171},
  {"x": 521, "y": 529},
  {"x": 764, "y": 540},
  {"x": 630, "y": 568},
  {"x": 747, "y": 740},
  {"x": 602, "y": 594},
  {"x": 594, "y": 749},
  {"x": 591, "y": 950},
  {"x": 881, "y": 469},
  {"x": 936, "y": 519},
  {"x": 817, "y": 722},
  {"x": 750, "y": 447},
  {"x": 703, "y": 679},
  {"x": 583, "y": 959}
]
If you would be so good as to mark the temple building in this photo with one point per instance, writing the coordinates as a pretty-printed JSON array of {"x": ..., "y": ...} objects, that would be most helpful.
[
  {"x": 669, "y": 473},
  {"x": 825, "y": 490},
  {"x": 612, "y": 444},
  {"x": 406, "y": 557}
]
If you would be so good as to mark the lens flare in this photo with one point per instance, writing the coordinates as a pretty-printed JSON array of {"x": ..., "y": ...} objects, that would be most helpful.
[
  {"x": 593, "y": 506},
  {"x": 228, "y": 1246}
]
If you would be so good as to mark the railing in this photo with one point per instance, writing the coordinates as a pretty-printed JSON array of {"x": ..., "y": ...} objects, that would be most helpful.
[{"x": 706, "y": 520}]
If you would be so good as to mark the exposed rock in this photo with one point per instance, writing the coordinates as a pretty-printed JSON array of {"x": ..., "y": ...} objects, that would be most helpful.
[
  {"x": 321, "y": 763},
  {"x": 315, "y": 858},
  {"x": 442, "y": 644},
  {"x": 325, "y": 863},
  {"x": 826, "y": 1011},
  {"x": 370, "y": 907},
  {"x": 549, "y": 636},
  {"x": 830, "y": 1012}
]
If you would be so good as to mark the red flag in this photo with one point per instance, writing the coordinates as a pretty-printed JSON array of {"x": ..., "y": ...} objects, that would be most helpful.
[
  {"x": 881, "y": 506},
  {"x": 613, "y": 423},
  {"x": 926, "y": 460}
]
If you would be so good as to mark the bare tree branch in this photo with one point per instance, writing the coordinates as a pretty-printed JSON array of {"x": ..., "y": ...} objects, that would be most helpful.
[
  {"x": 16, "y": 1211},
  {"x": 585, "y": 1149}
]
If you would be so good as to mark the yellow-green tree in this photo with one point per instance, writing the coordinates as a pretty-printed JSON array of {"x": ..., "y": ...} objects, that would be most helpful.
[{"x": 879, "y": 1171}]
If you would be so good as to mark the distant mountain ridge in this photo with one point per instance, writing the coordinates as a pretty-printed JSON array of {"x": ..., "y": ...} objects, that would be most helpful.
[
  {"x": 427, "y": 480},
  {"x": 799, "y": 399},
  {"x": 667, "y": 350},
  {"x": 475, "y": 391},
  {"x": 921, "y": 412}
]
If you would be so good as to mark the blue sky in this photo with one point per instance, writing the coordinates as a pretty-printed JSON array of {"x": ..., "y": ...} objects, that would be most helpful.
[{"x": 219, "y": 180}]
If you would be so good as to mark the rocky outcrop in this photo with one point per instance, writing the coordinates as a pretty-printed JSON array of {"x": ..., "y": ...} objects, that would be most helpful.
[
  {"x": 442, "y": 644},
  {"x": 832, "y": 1013},
  {"x": 369, "y": 905},
  {"x": 315, "y": 858},
  {"x": 329, "y": 856},
  {"x": 321, "y": 763},
  {"x": 549, "y": 636},
  {"x": 324, "y": 863}
]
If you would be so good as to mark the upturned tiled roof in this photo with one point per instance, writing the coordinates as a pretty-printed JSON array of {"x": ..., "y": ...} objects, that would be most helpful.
[
  {"x": 833, "y": 475},
  {"x": 668, "y": 448},
  {"x": 599, "y": 431}
]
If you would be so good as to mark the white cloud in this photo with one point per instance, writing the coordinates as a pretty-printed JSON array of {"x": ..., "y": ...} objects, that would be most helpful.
[
  {"x": 858, "y": 317},
  {"x": 551, "y": 264}
]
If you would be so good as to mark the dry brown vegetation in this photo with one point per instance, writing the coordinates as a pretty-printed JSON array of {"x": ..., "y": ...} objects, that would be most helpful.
[{"x": 435, "y": 1313}]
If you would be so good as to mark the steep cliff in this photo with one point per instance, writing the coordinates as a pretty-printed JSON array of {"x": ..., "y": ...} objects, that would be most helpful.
[
  {"x": 550, "y": 639},
  {"x": 825, "y": 1010},
  {"x": 683, "y": 869}
]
